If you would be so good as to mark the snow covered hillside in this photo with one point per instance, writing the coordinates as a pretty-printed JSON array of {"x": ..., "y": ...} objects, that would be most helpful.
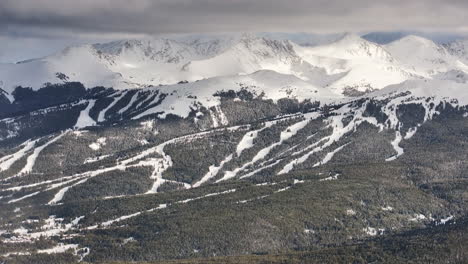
[
  {"x": 293, "y": 145},
  {"x": 424, "y": 57}
]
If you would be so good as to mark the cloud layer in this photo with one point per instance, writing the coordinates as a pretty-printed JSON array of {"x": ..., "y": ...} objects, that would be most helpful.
[
  {"x": 35, "y": 28},
  {"x": 182, "y": 16}
]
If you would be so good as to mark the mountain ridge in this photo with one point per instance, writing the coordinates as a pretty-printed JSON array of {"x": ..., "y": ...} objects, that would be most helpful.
[
  {"x": 140, "y": 63},
  {"x": 264, "y": 146}
]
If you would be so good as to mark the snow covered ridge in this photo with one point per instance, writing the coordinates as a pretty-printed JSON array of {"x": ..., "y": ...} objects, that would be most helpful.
[
  {"x": 187, "y": 98},
  {"x": 349, "y": 63}
]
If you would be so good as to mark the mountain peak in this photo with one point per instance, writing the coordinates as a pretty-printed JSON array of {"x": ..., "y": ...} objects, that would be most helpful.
[
  {"x": 415, "y": 40},
  {"x": 351, "y": 46},
  {"x": 350, "y": 37}
]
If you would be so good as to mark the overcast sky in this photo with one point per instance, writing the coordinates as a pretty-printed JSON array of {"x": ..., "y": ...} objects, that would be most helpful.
[{"x": 30, "y": 28}]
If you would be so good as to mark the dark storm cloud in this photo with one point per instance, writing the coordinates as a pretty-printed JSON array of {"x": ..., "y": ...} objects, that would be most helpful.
[{"x": 176, "y": 16}]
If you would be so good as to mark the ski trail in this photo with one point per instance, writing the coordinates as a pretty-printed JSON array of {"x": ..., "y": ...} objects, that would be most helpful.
[
  {"x": 9, "y": 160},
  {"x": 24, "y": 197},
  {"x": 285, "y": 135},
  {"x": 159, "y": 164},
  {"x": 296, "y": 146},
  {"x": 260, "y": 169},
  {"x": 222, "y": 117},
  {"x": 330, "y": 156},
  {"x": 54, "y": 186},
  {"x": 396, "y": 146},
  {"x": 213, "y": 171},
  {"x": 218, "y": 118},
  {"x": 132, "y": 101},
  {"x": 102, "y": 114},
  {"x": 248, "y": 139},
  {"x": 59, "y": 196},
  {"x": 146, "y": 102},
  {"x": 214, "y": 119},
  {"x": 339, "y": 130},
  {"x": 245, "y": 143},
  {"x": 33, "y": 157},
  {"x": 125, "y": 217},
  {"x": 151, "y": 110},
  {"x": 84, "y": 120},
  {"x": 161, "y": 206}
]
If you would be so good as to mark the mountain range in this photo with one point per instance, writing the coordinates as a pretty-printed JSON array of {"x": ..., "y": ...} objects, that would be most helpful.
[
  {"x": 339, "y": 65},
  {"x": 236, "y": 149}
]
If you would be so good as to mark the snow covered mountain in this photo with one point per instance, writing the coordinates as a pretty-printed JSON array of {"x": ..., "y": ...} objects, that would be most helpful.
[
  {"x": 73, "y": 64},
  {"x": 351, "y": 47},
  {"x": 423, "y": 56},
  {"x": 364, "y": 66},
  {"x": 349, "y": 65},
  {"x": 459, "y": 49},
  {"x": 202, "y": 147},
  {"x": 120, "y": 64}
]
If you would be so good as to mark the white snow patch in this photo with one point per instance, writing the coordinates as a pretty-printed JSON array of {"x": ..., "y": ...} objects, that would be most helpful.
[
  {"x": 95, "y": 159},
  {"x": 285, "y": 135},
  {"x": 143, "y": 142},
  {"x": 213, "y": 171},
  {"x": 248, "y": 139},
  {"x": 19, "y": 253},
  {"x": 331, "y": 178},
  {"x": 283, "y": 189},
  {"x": 387, "y": 208},
  {"x": 24, "y": 197},
  {"x": 329, "y": 156},
  {"x": 122, "y": 218},
  {"x": 250, "y": 174},
  {"x": 125, "y": 217},
  {"x": 7, "y": 161},
  {"x": 31, "y": 160},
  {"x": 79, "y": 133},
  {"x": 218, "y": 117},
  {"x": 20, "y": 231},
  {"x": 253, "y": 199},
  {"x": 246, "y": 142},
  {"x": 128, "y": 240},
  {"x": 206, "y": 196},
  {"x": 339, "y": 130},
  {"x": 266, "y": 184},
  {"x": 59, "y": 196},
  {"x": 411, "y": 133},
  {"x": 398, "y": 149},
  {"x": 445, "y": 220},
  {"x": 418, "y": 217},
  {"x": 147, "y": 125},
  {"x": 161, "y": 206},
  {"x": 60, "y": 248},
  {"x": 373, "y": 231},
  {"x": 84, "y": 120},
  {"x": 350, "y": 212},
  {"x": 53, "y": 226},
  {"x": 98, "y": 144},
  {"x": 132, "y": 100},
  {"x": 102, "y": 114}
]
